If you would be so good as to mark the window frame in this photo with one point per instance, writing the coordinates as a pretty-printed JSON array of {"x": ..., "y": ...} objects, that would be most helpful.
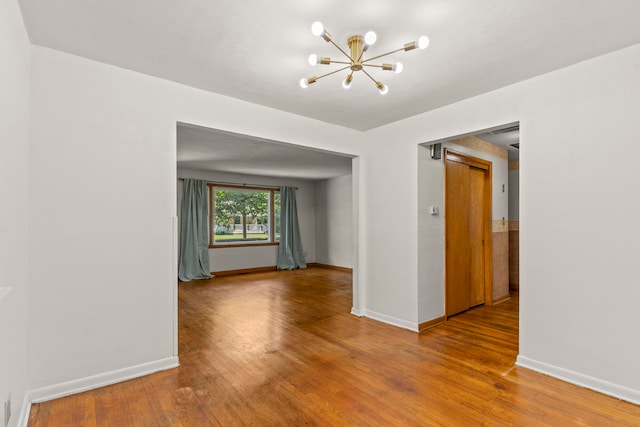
[{"x": 272, "y": 223}]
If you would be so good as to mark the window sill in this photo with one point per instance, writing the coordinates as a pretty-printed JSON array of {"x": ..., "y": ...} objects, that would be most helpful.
[{"x": 241, "y": 245}]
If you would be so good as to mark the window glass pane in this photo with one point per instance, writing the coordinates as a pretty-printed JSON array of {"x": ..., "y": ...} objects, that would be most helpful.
[{"x": 241, "y": 216}]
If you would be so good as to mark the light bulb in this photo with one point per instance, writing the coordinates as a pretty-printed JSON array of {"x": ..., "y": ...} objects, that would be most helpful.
[
  {"x": 313, "y": 59},
  {"x": 370, "y": 38},
  {"x": 397, "y": 67},
  {"x": 347, "y": 82},
  {"x": 317, "y": 28},
  {"x": 383, "y": 89},
  {"x": 304, "y": 83},
  {"x": 423, "y": 42}
]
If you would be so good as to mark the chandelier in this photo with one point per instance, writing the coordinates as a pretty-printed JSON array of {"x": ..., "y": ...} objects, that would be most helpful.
[{"x": 358, "y": 45}]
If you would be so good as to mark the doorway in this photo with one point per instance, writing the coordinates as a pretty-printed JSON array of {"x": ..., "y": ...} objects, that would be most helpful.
[
  {"x": 222, "y": 156},
  {"x": 468, "y": 234}
]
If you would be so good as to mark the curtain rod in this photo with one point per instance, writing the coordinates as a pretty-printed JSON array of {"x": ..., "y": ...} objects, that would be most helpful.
[{"x": 239, "y": 184}]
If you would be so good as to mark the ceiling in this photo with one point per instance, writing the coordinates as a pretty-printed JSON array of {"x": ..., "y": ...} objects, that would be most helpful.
[
  {"x": 505, "y": 137},
  {"x": 256, "y": 50},
  {"x": 214, "y": 150}
]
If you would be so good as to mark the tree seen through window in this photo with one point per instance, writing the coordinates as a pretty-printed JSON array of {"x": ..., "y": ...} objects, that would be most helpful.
[{"x": 244, "y": 215}]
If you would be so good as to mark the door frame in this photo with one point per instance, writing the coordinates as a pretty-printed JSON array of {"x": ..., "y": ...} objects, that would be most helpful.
[{"x": 485, "y": 165}]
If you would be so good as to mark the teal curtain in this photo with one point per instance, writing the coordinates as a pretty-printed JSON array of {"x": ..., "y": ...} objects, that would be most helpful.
[
  {"x": 194, "y": 242},
  {"x": 290, "y": 253}
]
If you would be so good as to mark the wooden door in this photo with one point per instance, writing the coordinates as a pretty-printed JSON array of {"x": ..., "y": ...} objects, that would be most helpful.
[
  {"x": 457, "y": 252},
  {"x": 467, "y": 232},
  {"x": 476, "y": 236}
]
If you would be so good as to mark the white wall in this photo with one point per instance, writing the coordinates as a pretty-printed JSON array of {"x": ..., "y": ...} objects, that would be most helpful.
[
  {"x": 103, "y": 204},
  {"x": 223, "y": 259},
  {"x": 579, "y": 133},
  {"x": 334, "y": 225},
  {"x": 389, "y": 199},
  {"x": 14, "y": 188}
]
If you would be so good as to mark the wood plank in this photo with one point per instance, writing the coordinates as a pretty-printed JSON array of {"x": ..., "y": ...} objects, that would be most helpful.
[
  {"x": 333, "y": 267},
  {"x": 280, "y": 348},
  {"x": 244, "y": 271}
]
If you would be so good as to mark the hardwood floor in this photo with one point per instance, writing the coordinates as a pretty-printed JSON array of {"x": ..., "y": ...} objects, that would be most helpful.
[{"x": 280, "y": 348}]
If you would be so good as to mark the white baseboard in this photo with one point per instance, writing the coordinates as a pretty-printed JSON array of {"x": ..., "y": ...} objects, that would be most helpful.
[
  {"x": 89, "y": 383},
  {"x": 357, "y": 312},
  {"x": 401, "y": 323},
  {"x": 586, "y": 381}
]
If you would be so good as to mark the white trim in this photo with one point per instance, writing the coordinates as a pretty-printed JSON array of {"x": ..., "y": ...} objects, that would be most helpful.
[
  {"x": 586, "y": 381},
  {"x": 95, "y": 381},
  {"x": 23, "y": 420},
  {"x": 390, "y": 320},
  {"x": 356, "y": 312},
  {"x": 174, "y": 281}
]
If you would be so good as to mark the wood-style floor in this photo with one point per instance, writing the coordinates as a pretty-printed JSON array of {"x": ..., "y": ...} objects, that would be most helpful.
[{"x": 281, "y": 349}]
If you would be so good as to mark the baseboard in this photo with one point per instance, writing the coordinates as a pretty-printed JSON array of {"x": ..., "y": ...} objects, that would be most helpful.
[
  {"x": 274, "y": 268},
  {"x": 500, "y": 299},
  {"x": 96, "y": 381},
  {"x": 331, "y": 267},
  {"x": 586, "y": 381},
  {"x": 422, "y": 327},
  {"x": 390, "y": 320},
  {"x": 357, "y": 312},
  {"x": 244, "y": 271}
]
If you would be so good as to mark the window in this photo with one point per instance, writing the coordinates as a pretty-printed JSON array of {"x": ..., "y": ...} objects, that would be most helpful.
[{"x": 243, "y": 215}]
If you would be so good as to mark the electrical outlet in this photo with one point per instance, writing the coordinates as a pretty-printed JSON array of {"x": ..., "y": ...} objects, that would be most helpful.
[{"x": 7, "y": 410}]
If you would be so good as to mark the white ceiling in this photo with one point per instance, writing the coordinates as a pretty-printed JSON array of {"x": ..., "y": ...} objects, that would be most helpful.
[
  {"x": 257, "y": 50},
  {"x": 214, "y": 150},
  {"x": 504, "y": 139}
]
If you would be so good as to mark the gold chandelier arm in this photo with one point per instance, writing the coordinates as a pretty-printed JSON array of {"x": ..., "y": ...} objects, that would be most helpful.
[
  {"x": 339, "y": 62},
  {"x": 333, "y": 72},
  {"x": 369, "y": 75},
  {"x": 385, "y": 67},
  {"x": 384, "y": 54},
  {"x": 341, "y": 50}
]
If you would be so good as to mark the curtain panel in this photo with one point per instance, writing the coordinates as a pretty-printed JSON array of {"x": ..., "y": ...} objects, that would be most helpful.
[
  {"x": 194, "y": 239},
  {"x": 290, "y": 252}
]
